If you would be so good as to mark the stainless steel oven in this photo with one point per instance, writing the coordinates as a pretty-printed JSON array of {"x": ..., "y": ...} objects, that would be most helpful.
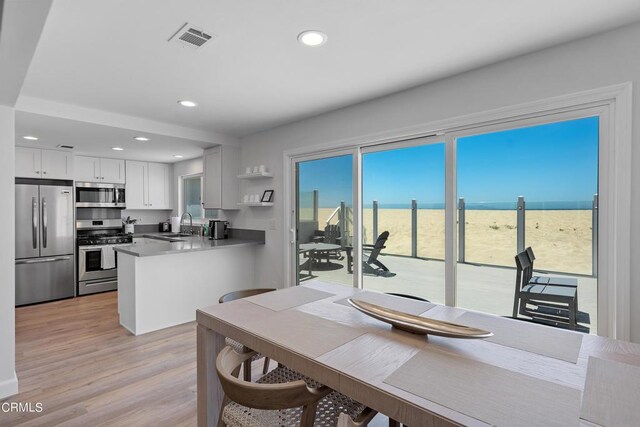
[
  {"x": 93, "y": 275},
  {"x": 96, "y": 195}
]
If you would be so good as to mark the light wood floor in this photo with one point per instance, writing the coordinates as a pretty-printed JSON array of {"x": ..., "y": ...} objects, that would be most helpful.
[
  {"x": 75, "y": 358},
  {"x": 86, "y": 370}
]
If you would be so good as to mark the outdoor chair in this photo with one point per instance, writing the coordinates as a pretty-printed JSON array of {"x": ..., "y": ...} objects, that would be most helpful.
[
  {"x": 371, "y": 265},
  {"x": 563, "y": 298},
  {"x": 305, "y": 262},
  {"x": 330, "y": 234},
  {"x": 550, "y": 309},
  {"x": 549, "y": 280},
  {"x": 238, "y": 347},
  {"x": 282, "y": 398}
]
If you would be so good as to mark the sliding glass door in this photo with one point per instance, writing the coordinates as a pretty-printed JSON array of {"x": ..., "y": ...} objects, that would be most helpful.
[
  {"x": 529, "y": 187},
  {"x": 443, "y": 217},
  {"x": 403, "y": 191},
  {"x": 324, "y": 219}
]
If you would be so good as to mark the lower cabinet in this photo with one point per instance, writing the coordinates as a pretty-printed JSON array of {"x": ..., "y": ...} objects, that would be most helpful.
[{"x": 148, "y": 185}]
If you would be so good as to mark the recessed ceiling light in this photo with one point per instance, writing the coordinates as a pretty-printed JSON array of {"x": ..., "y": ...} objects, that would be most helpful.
[
  {"x": 312, "y": 38},
  {"x": 178, "y": 156},
  {"x": 117, "y": 148},
  {"x": 30, "y": 138},
  {"x": 141, "y": 138},
  {"x": 186, "y": 103}
]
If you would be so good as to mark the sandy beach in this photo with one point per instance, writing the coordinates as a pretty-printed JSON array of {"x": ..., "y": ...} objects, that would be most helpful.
[{"x": 561, "y": 239}]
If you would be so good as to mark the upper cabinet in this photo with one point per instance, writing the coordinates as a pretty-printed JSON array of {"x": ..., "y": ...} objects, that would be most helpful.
[
  {"x": 112, "y": 171},
  {"x": 87, "y": 169},
  {"x": 38, "y": 163},
  {"x": 95, "y": 169},
  {"x": 148, "y": 185},
  {"x": 221, "y": 166},
  {"x": 159, "y": 193}
]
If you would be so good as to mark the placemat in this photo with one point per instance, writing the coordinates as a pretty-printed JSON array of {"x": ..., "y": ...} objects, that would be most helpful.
[
  {"x": 611, "y": 393},
  {"x": 303, "y": 333},
  {"x": 544, "y": 340},
  {"x": 406, "y": 305},
  {"x": 490, "y": 394},
  {"x": 284, "y": 299}
]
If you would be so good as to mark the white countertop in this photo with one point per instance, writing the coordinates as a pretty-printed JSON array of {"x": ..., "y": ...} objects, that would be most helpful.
[{"x": 152, "y": 247}]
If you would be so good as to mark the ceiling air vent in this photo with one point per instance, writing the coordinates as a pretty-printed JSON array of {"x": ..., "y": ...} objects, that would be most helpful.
[
  {"x": 66, "y": 147},
  {"x": 191, "y": 36}
]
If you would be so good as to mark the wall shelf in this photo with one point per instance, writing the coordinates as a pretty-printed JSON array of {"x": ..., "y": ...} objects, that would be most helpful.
[
  {"x": 264, "y": 204},
  {"x": 256, "y": 175}
]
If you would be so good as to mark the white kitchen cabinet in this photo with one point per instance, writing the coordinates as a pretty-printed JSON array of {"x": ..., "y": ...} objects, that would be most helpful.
[
  {"x": 148, "y": 185},
  {"x": 87, "y": 169},
  {"x": 95, "y": 169},
  {"x": 112, "y": 171},
  {"x": 159, "y": 186},
  {"x": 28, "y": 162},
  {"x": 57, "y": 164},
  {"x": 38, "y": 163},
  {"x": 136, "y": 188},
  {"x": 221, "y": 166}
]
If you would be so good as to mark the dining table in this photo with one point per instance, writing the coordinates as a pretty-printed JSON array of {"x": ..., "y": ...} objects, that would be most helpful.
[{"x": 525, "y": 374}]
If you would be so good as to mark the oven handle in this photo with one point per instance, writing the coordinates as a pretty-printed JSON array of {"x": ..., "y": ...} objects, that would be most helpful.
[{"x": 96, "y": 247}]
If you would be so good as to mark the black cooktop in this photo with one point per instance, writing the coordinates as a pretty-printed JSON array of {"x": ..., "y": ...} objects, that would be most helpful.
[{"x": 104, "y": 239}]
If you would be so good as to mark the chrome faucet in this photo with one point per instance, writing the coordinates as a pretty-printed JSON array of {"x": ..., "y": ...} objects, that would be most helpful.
[{"x": 190, "y": 222}]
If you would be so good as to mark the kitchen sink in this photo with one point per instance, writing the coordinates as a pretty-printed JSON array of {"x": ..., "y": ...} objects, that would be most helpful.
[{"x": 168, "y": 237}]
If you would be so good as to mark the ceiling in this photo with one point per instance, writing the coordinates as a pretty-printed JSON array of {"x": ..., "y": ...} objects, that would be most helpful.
[
  {"x": 97, "y": 140},
  {"x": 114, "y": 55}
]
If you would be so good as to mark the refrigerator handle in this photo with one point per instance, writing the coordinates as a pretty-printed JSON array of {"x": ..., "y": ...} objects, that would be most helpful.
[
  {"x": 44, "y": 222},
  {"x": 42, "y": 260},
  {"x": 34, "y": 222}
]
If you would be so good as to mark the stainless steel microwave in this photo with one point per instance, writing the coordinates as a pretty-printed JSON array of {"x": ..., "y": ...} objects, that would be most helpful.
[{"x": 96, "y": 195}]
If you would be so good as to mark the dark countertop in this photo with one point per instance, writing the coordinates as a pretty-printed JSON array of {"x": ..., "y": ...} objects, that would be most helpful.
[{"x": 173, "y": 245}]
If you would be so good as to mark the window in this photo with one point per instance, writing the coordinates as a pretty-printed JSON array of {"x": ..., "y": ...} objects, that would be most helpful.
[{"x": 192, "y": 196}]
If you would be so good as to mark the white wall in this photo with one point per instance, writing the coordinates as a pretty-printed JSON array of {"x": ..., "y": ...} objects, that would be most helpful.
[
  {"x": 8, "y": 380},
  {"x": 597, "y": 61}
]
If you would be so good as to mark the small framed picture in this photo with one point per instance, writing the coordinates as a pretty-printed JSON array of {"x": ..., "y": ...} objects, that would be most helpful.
[{"x": 267, "y": 196}]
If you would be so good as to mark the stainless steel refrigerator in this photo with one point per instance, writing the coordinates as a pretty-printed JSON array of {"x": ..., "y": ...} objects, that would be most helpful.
[{"x": 44, "y": 240}]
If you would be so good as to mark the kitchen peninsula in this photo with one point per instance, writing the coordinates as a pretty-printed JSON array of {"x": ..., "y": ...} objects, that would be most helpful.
[{"x": 164, "y": 279}]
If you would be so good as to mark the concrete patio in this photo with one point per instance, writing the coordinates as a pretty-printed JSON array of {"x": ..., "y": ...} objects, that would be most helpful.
[{"x": 480, "y": 287}]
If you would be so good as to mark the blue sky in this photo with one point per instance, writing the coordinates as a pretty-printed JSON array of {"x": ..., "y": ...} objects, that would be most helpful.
[{"x": 553, "y": 162}]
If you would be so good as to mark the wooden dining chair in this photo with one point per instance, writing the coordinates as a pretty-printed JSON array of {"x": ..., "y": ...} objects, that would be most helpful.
[
  {"x": 240, "y": 348},
  {"x": 282, "y": 398}
]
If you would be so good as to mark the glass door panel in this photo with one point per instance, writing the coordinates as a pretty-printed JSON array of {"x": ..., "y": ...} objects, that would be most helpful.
[
  {"x": 324, "y": 218},
  {"x": 535, "y": 187},
  {"x": 403, "y": 199}
]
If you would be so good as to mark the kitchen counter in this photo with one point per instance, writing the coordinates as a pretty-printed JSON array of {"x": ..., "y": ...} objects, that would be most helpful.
[
  {"x": 153, "y": 246},
  {"x": 164, "y": 278}
]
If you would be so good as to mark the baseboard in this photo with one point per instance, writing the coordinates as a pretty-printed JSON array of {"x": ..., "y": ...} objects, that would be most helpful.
[{"x": 9, "y": 387}]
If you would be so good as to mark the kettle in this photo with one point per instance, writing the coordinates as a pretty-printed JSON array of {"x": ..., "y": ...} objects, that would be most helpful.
[{"x": 218, "y": 229}]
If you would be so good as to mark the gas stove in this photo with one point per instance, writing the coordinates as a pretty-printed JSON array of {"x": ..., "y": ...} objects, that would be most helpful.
[{"x": 104, "y": 239}]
